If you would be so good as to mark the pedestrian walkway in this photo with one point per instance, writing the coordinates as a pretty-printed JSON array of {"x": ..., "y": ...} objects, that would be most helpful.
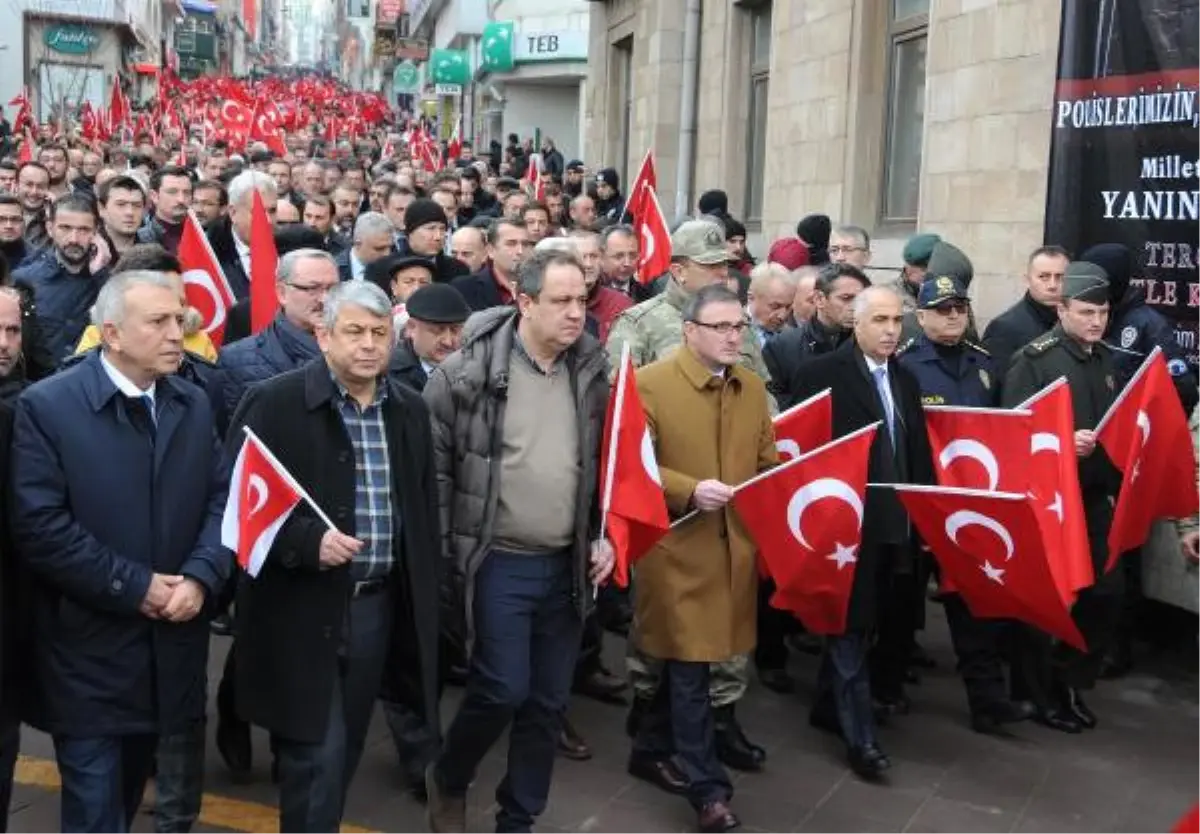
[{"x": 1138, "y": 771}]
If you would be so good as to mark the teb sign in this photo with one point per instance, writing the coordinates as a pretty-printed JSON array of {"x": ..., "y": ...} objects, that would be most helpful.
[{"x": 71, "y": 39}]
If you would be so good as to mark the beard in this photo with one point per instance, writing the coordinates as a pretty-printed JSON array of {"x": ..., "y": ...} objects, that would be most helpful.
[{"x": 73, "y": 254}]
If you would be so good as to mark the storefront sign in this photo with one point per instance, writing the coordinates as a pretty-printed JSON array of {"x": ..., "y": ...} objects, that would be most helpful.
[
  {"x": 412, "y": 49},
  {"x": 447, "y": 90},
  {"x": 1123, "y": 159},
  {"x": 406, "y": 79},
  {"x": 71, "y": 39},
  {"x": 449, "y": 66},
  {"x": 561, "y": 45},
  {"x": 496, "y": 52}
]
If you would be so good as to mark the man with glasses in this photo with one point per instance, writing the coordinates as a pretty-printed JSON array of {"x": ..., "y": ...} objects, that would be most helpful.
[
  {"x": 13, "y": 246},
  {"x": 850, "y": 245},
  {"x": 951, "y": 369},
  {"x": 653, "y": 330}
]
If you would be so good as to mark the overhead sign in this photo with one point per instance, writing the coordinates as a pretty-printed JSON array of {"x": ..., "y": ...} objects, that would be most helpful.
[
  {"x": 71, "y": 38},
  {"x": 556, "y": 45},
  {"x": 412, "y": 49},
  {"x": 406, "y": 78},
  {"x": 449, "y": 66},
  {"x": 447, "y": 89},
  {"x": 496, "y": 51}
]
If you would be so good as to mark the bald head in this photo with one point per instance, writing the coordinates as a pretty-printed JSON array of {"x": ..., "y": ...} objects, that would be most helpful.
[
  {"x": 469, "y": 245},
  {"x": 878, "y": 317}
]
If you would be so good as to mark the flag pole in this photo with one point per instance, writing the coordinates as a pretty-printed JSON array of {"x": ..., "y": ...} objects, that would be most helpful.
[
  {"x": 610, "y": 469},
  {"x": 282, "y": 470}
]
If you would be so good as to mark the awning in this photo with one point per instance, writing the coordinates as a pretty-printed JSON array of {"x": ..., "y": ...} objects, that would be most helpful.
[
  {"x": 145, "y": 69},
  {"x": 199, "y": 6}
]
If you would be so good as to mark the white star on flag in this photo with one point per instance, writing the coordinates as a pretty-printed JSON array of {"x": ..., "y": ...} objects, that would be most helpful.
[
  {"x": 1056, "y": 506},
  {"x": 842, "y": 555},
  {"x": 993, "y": 573}
]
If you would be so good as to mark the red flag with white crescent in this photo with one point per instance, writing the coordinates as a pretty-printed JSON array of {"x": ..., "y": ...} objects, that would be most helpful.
[
  {"x": 990, "y": 545},
  {"x": 804, "y": 427},
  {"x": 980, "y": 448},
  {"x": 632, "y": 500},
  {"x": 653, "y": 234},
  {"x": 806, "y": 517},
  {"x": 262, "y": 495},
  {"x": 204, "y": 281}
]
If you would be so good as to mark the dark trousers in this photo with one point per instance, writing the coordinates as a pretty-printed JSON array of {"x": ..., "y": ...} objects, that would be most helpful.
[
  {"x": 526, "y": 639},
  {"x": 314, "y": 778},
  {"x": 590, "y": 646},
  {"x": 844, "y": 683},
  {"x": 901, "y": 612},
  {"x": 414, "y": 725},
  {"x": 773, "y": 626},
  {"x": 179, "y": 779},
  {"x": 977, "y": 647},
  {"x": 679, "y": 723},
  {"x": 103, "y": 779},
  {"x": 10, "y": 747}
]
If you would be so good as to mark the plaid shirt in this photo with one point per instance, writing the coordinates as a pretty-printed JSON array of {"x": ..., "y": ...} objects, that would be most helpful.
[{"x": 373, "y": 521}]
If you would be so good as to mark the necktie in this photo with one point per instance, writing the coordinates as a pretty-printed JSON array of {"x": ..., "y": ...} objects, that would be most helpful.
[
  {"x": 885, "y": 397},
  {"x": 141, "y": 414}
]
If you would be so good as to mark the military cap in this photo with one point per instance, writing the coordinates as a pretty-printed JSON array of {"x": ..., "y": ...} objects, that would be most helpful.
[
  {"x": 919, "y": 249},
  {"x": 948, "y": 260},
  {"x": 1085, "y": 281},
  {"x": 938, "y": 290},
  {"x": 437, "y": 304},
  {"x": 702, "y": 241}
]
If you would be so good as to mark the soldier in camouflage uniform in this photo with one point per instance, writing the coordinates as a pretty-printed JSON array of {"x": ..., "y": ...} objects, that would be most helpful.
[{"x": 653, "y": 330}]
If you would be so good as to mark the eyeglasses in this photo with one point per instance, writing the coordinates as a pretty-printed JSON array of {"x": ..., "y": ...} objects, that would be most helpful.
[
  {"x": 845, "y": 250},
  {"x": 312, "y": 289},
  {"x": 959, "y": 307},
  {"x": 723, "y": 327}
]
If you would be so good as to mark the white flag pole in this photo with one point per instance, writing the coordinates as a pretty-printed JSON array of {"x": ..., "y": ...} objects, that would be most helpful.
[
  {"x": 282, "y": 470},
  {"x": 610, "y": 469}
]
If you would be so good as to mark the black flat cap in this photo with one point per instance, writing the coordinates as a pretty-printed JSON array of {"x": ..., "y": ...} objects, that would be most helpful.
[{"x": 437, "y": 304}]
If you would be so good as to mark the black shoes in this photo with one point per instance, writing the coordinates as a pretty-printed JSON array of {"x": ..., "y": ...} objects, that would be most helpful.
[
  {"x": 733, "y": 748},
  {"x": 1074, "y": 706},
  {"x": 602, "y": 685},
  {"x": 571, "y": 744},
  {"x": 663, "y": 774},
  {"x": 777, "y": 680},
  {"x": 990, "y": 719},
  {"x": 869, "y": 762}
]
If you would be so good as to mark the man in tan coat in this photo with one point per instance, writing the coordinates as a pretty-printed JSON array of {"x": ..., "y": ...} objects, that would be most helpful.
[{"x": 697, "y": 589}]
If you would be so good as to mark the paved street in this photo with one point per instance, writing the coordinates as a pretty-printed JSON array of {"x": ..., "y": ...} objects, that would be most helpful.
[{"x": 1137, "y": 772}]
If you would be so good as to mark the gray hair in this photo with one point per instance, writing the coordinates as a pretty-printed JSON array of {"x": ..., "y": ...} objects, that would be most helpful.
[
  {"x": 372, "y": 223},
  {"x": 864, "y": 298},
  {"x": 244, "y": 183},
  {"x": 706, "y": 297},
  {"x": 557, "y": 244},
  {"x": 291, "y": 261},
  {"x": 110, "y": 303},
  {"x": 768, "y": 271},
  {"x": 614, "y": 230},
  {"x": 360, "y": 294},
  {"x": 532, "y": 272},
  {"x": 856, "y": 233}
]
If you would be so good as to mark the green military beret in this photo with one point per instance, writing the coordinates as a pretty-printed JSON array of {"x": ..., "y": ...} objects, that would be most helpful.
[
  {"x": 948, "y": 261},
  {"x": 1085, "y": 282},
  {"x": 919, "y": 248}
]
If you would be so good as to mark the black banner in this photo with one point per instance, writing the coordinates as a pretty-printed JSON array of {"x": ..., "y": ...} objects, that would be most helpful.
[{"x": 1124, "y": 158}]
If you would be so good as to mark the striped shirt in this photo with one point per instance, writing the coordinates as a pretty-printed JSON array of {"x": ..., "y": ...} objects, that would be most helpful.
[{"x": 374, "y": 522}]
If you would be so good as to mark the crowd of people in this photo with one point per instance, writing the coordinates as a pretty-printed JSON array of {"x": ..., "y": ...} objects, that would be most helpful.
[{"x": 436, "y": 380}]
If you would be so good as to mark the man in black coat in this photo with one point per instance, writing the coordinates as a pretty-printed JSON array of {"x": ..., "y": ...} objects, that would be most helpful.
[
  {"x": 1037, "y": 311},
  {"x": 867, "y": 386},
  {"x": 508, "y": 244},
  {"x": 332, "y": 608}
]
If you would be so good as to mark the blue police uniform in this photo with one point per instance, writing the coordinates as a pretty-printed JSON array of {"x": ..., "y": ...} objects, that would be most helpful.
[{"x": 968, "y": 380}]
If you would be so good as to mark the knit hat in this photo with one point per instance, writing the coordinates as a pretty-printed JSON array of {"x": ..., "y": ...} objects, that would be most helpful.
[
  {"x": 814, "y": 230},
  {"x": 788, "y": 252},
  {"x": 1116, "y": 260},
  {"x": 715, "y": 201},
  {"x": 609, "y": 176},
  {"x": 421, "y": 212}
]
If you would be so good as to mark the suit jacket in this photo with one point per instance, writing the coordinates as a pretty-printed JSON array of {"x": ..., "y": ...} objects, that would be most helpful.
[
  {"x": 887, "y": 537},
  {"x": 220, "y": 238},
  {"x": 480, "y": 290},
  {"x": 290, "y": 618}
]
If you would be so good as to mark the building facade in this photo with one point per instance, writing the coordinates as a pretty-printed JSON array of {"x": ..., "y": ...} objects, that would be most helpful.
[{"x": 894, "y": 115}]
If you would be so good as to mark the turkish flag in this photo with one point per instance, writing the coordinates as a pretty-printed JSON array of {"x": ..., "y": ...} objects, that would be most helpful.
[
  {"x": 635, "y": 510},
  {"x": 236, "y": 119},
  {"x": 118, "y": 105},
  {"x": 1145, "y": 434},
  {"x": 646, "y": 177},
  {"x": 26, "y": 153},
  {"x": 264, "y": 130},
  {"x": 980, "y": 448},
  {"x": 806, "y": 518},
  {"x": 654, "y": 236},
  {"x": 1189, "y": 823},
  {"x": 264, "y": 262},
  {"x": 262, "y": 494},
  {"x": 1054, "y": 487},
  {"x": 804, "y": 427},
  {"x": 989, "y": 544},
  {"x": 454, "y": 149},
  {"x": 204, "y": 281}
]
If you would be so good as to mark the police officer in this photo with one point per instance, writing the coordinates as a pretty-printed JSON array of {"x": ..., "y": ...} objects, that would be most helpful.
[
  {"x": 1075, "y": 348},
  {"x": 653, "y": 330},
  {"x": 953, "y": 370}
]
